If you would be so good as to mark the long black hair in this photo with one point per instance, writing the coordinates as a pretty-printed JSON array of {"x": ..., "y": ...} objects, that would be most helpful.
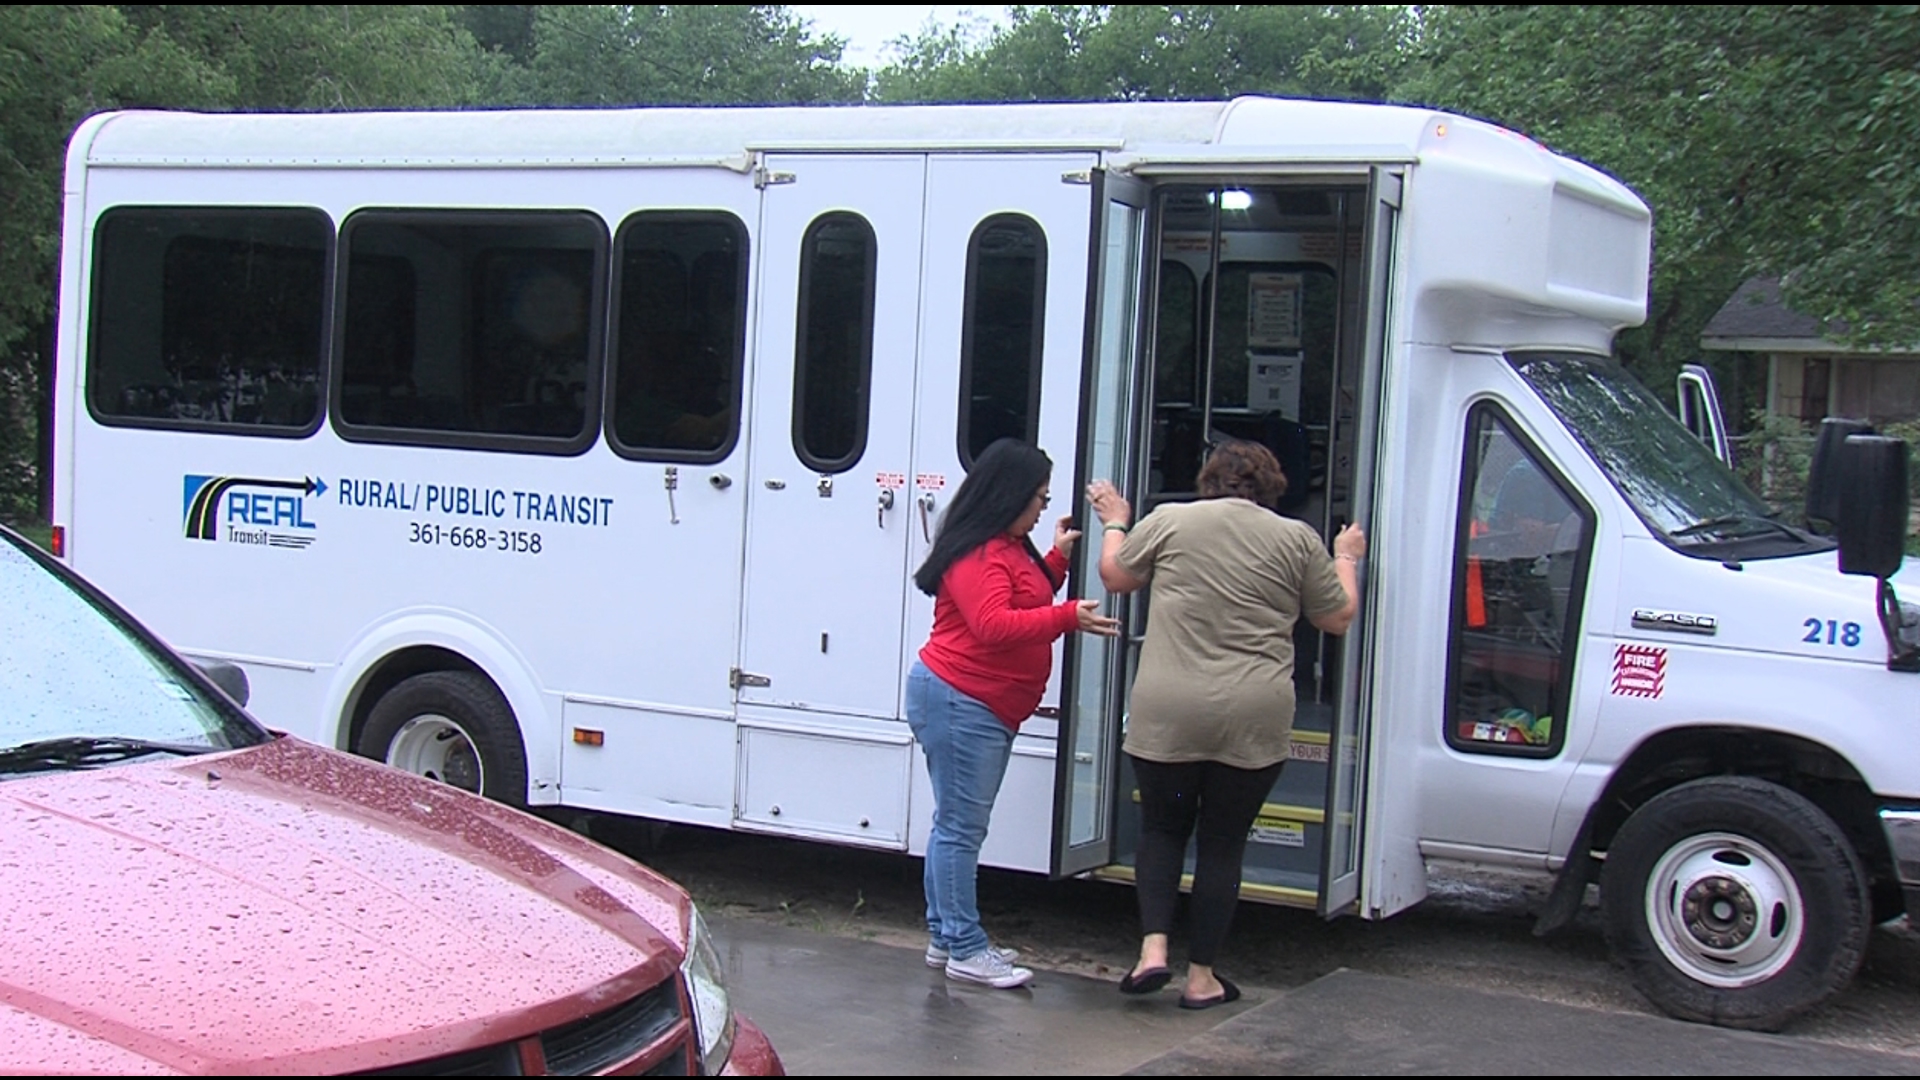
[{"x": 1004, "y": 480}]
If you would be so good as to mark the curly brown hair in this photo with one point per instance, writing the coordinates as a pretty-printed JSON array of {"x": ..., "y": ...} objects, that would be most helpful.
[{"x": 1244, "y": 469}]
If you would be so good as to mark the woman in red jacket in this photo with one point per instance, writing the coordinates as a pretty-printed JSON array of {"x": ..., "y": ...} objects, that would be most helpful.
[{"x": 980, "y": 675}]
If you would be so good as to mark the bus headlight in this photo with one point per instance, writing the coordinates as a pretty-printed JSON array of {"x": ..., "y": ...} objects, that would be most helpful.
[{"x": 707, "y": 987}]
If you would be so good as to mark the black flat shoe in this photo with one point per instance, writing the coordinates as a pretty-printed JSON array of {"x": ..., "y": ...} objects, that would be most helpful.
[
  {"x": 1149, "y": 981},
  {"x": 1228, "y": 993}
]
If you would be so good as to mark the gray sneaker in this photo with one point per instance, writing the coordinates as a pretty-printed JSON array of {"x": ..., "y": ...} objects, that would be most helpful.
[
  {"x": 988, "y": 968},
  {"x": 937, "y": 956}
]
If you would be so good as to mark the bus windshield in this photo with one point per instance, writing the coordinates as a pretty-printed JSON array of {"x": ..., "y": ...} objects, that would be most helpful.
[{"x": 1686, "y": 495}]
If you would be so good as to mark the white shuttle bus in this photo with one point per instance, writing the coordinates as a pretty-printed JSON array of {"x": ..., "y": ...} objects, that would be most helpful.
[{"x": 583, "y": 458}]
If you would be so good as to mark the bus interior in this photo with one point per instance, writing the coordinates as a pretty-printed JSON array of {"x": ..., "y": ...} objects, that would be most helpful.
[{"x": 1256, "y": 334}]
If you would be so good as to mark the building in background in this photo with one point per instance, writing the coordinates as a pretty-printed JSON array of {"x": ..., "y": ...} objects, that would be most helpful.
[{"x": 1809, "y": 374}]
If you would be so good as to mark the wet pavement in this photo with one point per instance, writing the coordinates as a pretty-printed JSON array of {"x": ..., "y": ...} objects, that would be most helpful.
[
  {"x": 838, "y": 1005},
  {"x": 1350, "y": 1023}
]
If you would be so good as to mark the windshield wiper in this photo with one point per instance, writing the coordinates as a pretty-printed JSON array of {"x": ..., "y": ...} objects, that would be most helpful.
[
  {"x": 1724, "y": 520},
  {"x": 81, "y": 751},
  {"x": 1708, "y": 524}
]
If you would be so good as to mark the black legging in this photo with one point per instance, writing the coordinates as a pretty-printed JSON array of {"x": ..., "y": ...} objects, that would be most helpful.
[{"x": 1223, "y": 801}]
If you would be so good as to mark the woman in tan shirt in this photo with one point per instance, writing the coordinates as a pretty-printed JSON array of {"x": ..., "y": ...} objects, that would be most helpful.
[{"x": 1210, "y": 719}]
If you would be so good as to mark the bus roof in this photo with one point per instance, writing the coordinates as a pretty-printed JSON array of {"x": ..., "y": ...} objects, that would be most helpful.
[{"x": 730, "y": 136}]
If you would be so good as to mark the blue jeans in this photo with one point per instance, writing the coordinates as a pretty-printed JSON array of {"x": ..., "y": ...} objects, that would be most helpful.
[{"x": 967, "y": 749}]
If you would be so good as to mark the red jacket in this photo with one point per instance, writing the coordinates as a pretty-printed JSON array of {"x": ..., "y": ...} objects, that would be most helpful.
[{"x": 994, "y": 622}]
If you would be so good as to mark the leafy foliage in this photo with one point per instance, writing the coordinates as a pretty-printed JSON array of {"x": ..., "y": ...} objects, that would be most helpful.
[
  {"x": 688, "y": 54},
  {"x": 1140, "y": 52},
  {"x": 323, "y": 57},
  {"x": 1782, "y": 140}
]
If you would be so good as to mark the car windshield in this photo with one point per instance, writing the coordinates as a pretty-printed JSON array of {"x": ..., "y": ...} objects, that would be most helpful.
[
  {"x": 75, "y": 672},
  {"x": 1674, "y": 482}
]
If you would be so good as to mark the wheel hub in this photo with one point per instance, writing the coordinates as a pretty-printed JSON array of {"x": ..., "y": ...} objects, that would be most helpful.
[
  {"x": 437, "y": 748},
  {"x": 1719, "y": 912},
  {"x": 1725, "y": 910}
]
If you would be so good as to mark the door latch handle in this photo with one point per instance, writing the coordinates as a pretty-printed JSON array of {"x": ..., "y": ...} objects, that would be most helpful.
[
  {"x": 926, "y": 503},
  {"x": 720, "y": 481},
  {"x": 673, "y": 484},
  {"x": 886, "y": 504}
]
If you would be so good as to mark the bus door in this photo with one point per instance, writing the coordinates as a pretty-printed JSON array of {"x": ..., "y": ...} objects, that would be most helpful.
[
  {"x": 832, "y": 415},
  {"x": 1000, "y": 356},
  {"x": 1093, "y": 678},
  {"x": 1266, "y": 313},
  {"x": 831, "y": 425}
]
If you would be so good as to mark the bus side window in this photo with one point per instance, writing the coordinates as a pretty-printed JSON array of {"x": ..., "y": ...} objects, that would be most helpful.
[
  {"x": 678, "y": 335},
  {"x": 206, "y": 317},
  {"x": 1003, "y": 333},
  {"x": 833, "y": 353},
  {"x": 461, "y": 328},
  {"x": 1523, "y": 543}
]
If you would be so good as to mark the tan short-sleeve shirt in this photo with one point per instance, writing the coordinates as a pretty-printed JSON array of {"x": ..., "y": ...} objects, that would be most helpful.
[{"x": 1228, "y": 580}]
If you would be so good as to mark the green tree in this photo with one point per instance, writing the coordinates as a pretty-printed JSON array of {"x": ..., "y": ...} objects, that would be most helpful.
[
  {"x": 691, "y": 54},
  {"x": 57, "y": 64},
  {"x": 1768, "y": 139},
  {"x": 324, "y": 57},
  {"x": 1139, "y": 52},
  {"x": 506, "y": 29}
]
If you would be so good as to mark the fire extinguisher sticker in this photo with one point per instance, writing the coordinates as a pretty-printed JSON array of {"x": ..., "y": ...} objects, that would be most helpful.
[{"x": 1639, "y": 671}]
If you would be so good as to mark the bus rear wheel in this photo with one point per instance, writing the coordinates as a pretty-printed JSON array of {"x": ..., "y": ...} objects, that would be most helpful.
[
  {"x": 1736, "y": 902},
  {"x": 450, "y": 726}
]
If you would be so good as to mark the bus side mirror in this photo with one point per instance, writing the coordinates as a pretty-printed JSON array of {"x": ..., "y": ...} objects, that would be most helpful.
[
  {"x": 1824, "y": 483},
  {"x": 1871, "y": 520},
  {"x": 1871, "y": 523}
]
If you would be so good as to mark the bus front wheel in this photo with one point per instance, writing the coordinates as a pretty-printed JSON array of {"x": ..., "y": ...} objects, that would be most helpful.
[
  {"x": 1736, "y": 902},
  {"x": 450, "y": 726}
]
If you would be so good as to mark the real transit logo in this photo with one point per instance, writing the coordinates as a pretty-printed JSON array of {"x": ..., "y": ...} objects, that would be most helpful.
[{"x": 251, "y": 510}]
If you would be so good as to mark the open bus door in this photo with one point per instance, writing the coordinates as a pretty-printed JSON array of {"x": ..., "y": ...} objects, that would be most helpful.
[
  {"x": 1093, "y": 671},
  {"x": 1266, "y": 321},
  {"x": 1699, "y": 404},
  {"x": 1342, "y": 856}
]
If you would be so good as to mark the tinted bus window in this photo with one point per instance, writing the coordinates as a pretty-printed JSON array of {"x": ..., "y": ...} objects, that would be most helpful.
[
  {"x": 1003, "y": 332},
  {"x": 678, "y": 335},
  {"x": 207, "y": 318},
  {"x": 833, "y": 354},
  {"x": 465, "y": 329}
]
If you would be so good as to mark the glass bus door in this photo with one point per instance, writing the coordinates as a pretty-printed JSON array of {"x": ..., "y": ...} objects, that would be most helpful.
[
  {"x": 1093, "y": 669},
  {"x": 1264, "y": 323}
]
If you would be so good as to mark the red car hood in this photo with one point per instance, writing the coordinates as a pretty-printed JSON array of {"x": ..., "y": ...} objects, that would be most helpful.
[{"x": 292, "y": 909}]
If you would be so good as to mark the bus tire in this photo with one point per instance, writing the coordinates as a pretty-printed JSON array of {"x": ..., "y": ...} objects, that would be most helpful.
[
  {"x": 1737, "y": 902},
  {"x": 450, "y": 726}
]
